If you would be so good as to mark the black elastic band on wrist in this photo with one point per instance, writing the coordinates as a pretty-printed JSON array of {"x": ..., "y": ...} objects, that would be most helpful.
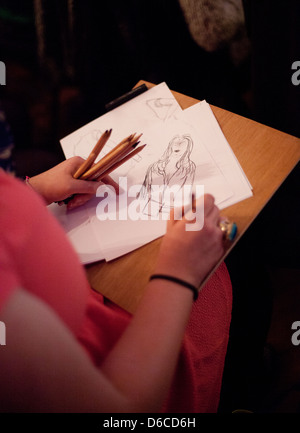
[{"x": 178, "y": 281}]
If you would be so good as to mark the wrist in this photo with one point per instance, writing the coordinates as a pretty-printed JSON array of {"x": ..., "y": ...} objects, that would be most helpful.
[
  {"x": 168, "y": 265},
  {"x": 178, "y": 281},
  {"x": 34, "y": 184},
  {"x": 28, "y": 183}
]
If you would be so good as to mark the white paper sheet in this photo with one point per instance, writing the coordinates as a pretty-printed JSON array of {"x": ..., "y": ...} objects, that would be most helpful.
[
  {"x": 79, "y": 228},
  {"x": 213, "y": 138},
  {"x": 156, "y": 105}
]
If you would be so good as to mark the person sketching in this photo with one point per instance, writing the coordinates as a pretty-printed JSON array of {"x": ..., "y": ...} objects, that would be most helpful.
[
  {"x": 173, "y": 170},
  {"x": 68, "y": 349}
]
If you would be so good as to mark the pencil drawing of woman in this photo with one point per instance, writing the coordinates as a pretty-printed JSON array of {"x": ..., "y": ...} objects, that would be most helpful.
[{"x": 174, "y": 170}]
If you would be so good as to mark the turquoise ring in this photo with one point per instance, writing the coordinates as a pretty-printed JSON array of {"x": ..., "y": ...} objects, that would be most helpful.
[{"x": 229, "y": 229}]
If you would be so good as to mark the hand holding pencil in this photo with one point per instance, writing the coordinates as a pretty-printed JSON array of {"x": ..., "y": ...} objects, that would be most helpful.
[
  {"x": 93, "y": 155},
  {"x": 120, "y": 154},
  {"x": 58, "y": 183},
  {"x": 75, "y": 180}
]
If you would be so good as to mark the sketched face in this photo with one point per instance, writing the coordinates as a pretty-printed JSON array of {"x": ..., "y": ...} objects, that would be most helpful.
[{"x": 179, "y": 147}]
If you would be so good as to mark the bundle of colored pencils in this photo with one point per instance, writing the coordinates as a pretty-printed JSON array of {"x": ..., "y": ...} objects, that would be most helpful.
[{"x": 121, "y": 153}]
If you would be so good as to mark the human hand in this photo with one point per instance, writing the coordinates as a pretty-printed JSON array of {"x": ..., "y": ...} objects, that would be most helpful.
[
  {"x": 191, "y": 255},
  {"x": 58, "y": 184}
]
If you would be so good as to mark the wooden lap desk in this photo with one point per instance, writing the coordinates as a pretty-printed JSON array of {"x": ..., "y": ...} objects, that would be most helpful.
[{"x": 266, "y": 155}]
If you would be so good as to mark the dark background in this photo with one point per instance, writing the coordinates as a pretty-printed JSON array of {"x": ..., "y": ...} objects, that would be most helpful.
[{"x": 61, "y": 74}]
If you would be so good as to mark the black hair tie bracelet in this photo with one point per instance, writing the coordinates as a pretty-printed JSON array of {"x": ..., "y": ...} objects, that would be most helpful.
[{"x": 178, "y": 281}]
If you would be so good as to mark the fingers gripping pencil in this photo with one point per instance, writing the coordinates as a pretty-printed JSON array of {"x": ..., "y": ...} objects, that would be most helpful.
[{"x": 121, "y": 153}]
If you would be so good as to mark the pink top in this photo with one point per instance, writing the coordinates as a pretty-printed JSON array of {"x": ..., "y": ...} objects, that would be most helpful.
[{"x": 36, "y": 255}]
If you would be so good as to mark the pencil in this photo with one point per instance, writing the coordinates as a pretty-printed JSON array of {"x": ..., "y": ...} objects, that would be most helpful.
[
  {"x": 109, "y": 163},
  {"x": 111, "y": 157},
  {"x": 114, "y": 159},
  {"x": 121, "y": 153},
  {"x": 112, "y": 162},
  {"x": 93, "y": 155},
  {"x": 120, "y": 162}
]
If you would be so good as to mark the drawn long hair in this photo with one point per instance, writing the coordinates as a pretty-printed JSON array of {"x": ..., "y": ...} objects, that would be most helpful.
[
  {"x": 184, "y": 164},
  {"x": 185, "y": 167}
]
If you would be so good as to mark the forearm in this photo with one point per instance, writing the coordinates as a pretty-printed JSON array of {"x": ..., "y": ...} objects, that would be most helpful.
[
  {"x": 137, "y": 373},
  {"x": 150, "y": 347},
  {"x": 135, "y": 376},
  {"x": 143, "y": 362},
  {"x": 36, "y": 183}
]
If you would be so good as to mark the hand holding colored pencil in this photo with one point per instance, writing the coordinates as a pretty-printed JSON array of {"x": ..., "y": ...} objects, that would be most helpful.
[{"x": 121, "y": 153}]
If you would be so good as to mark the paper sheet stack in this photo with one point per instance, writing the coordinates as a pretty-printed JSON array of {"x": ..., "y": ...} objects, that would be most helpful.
[{"x": 109, "y": 226}]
